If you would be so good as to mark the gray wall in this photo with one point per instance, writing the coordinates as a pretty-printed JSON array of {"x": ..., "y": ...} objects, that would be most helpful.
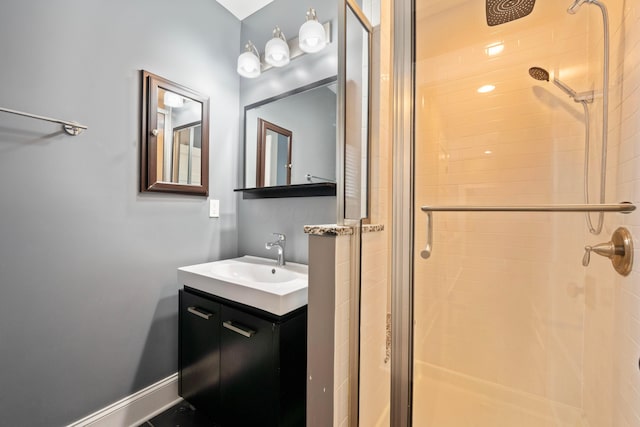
[
  {"x": 258, "y": 218},
  {"x": 88, "y": 292}
]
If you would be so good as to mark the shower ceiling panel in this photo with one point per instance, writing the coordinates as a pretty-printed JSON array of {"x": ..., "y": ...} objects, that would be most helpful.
[
  {"x": 453, "y": 51},
  {"x": 458, "y": 24}
]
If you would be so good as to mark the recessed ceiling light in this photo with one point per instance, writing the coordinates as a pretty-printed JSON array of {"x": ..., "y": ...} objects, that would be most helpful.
[
  {"x": 486, "y": 88},
  {"x": 494, "y": 49}
]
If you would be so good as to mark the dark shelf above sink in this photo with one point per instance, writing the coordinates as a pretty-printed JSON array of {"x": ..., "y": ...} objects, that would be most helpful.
[{"x": 297, "y": 190}]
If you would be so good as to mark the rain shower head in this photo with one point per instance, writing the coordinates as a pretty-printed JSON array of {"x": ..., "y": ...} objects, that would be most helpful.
[
  {"x": 502, "y": 11},
  {"x": 541, "y": 74}
]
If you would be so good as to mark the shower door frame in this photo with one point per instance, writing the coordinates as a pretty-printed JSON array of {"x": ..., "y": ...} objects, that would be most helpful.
[{"x": 403, "y": 214}]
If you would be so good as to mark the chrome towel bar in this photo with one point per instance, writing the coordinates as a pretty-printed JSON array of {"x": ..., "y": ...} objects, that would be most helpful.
[
  {"x": 71, "y": 128},
  {"x": 623, "y": 207}
]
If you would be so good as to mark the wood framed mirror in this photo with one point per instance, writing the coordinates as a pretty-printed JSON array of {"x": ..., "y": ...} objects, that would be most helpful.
[
  {"x": 274, "y": 155},
  {"x": 174, "y": 138}
]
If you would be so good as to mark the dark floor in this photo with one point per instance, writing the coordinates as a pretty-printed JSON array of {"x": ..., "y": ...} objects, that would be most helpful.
[{"x": 180, "y": 415}]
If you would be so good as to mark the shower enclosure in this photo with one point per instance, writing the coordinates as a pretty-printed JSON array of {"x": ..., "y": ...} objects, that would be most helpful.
[{"x": 496, "y": 321}]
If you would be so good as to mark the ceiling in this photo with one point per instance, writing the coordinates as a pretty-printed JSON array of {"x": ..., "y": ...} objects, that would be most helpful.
[{"x": 243, "y": 8}]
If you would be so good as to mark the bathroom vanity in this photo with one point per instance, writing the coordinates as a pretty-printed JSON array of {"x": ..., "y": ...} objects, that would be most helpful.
[{"x": 242, "y": 365}]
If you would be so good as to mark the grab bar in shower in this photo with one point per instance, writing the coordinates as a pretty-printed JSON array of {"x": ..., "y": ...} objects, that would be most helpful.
[
  {"x": 623, "y": 207},
  {"x": 71, "y": 128}
]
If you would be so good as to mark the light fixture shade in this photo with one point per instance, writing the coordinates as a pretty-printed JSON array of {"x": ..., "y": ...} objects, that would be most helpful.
[
  {"x": 312, "y": 37},
  {"x": 276, "y": 52},
  {"x": 249, "y": 62}
]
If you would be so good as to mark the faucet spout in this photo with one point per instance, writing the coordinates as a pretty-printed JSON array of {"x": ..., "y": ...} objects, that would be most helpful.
[{"x": 279, "y": 243}]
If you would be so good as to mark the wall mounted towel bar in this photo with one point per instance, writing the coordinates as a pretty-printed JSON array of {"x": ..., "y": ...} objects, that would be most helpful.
[
  {"x": 71, "y": 128},
  {"x": 623, "y": 207}
]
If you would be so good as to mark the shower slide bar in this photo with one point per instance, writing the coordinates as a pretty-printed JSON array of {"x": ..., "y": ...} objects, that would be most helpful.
[
  {"x": 623, "y": 207},
  {"x": 72, "y": 128}
]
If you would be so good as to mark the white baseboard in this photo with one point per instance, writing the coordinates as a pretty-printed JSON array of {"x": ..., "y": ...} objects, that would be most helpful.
[{"x": 135, "y": 409}]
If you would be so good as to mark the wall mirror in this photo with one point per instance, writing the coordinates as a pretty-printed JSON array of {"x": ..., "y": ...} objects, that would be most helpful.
[
  {"x": 175, "y": 138},
  {"x": 290, "y": 139},
  {"x": 274, "y": 155}
]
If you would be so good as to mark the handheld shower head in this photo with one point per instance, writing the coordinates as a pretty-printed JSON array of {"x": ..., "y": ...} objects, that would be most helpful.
[{"x": 541, "y": 74}]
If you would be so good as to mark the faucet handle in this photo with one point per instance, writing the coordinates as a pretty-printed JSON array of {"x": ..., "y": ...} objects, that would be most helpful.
[
  {"x": 619, "y": 250},
  {"x": 605, "y": 249},
  {"x": 281, "y": 237}
]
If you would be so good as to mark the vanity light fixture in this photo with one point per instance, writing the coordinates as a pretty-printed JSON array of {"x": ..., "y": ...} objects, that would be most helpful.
[
  {"x": 279, "y": 51},
  {"x": 249, "y": 61},
  {"x": 276, "y": 52},
  {"x": 312, "y": 37}
]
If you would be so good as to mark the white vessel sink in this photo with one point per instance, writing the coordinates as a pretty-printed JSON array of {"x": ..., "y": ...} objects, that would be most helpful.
[{"x": 253, "y": 281}]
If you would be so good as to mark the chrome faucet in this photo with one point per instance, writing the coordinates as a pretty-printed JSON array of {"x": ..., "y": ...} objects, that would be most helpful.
[{"x": 280, "y": 241}]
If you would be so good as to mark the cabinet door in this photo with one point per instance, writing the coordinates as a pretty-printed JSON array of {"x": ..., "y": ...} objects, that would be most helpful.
[
  {"x": 200, "y": 352},
  {"x": 248, "y": 381}
]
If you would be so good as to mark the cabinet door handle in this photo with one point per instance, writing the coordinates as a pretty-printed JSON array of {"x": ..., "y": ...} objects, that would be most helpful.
[
  {"x": 200, "y": 313},
  {"x": 237, "y": 329}
]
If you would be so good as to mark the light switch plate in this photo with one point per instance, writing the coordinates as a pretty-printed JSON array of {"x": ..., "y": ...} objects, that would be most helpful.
[{"x": 214, "y": 208}]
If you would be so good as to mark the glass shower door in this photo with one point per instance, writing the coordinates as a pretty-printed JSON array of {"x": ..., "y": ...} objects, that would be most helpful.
[{"x": 506, "y": 320}]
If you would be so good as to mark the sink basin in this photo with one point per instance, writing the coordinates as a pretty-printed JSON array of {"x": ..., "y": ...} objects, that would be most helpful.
[{"x": 253, "y": 281}]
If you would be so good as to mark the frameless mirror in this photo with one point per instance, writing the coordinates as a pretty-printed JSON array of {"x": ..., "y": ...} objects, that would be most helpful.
[
  {"x": 175, "y": 138},
  {"x": 291, "y": 139}
]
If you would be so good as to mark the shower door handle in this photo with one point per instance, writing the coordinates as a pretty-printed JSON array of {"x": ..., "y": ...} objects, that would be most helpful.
[{"x": 426, "y": 252}]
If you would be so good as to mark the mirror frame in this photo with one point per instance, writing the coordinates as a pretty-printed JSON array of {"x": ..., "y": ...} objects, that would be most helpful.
[
  {"x": 263, "y": 127},
  {"x": 151, "y": 84}
]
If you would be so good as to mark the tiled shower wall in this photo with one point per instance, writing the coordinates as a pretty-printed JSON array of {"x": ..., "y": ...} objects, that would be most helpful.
[
  {"x": 375, "y": 376},
  {"x": 612, "y": 303}
]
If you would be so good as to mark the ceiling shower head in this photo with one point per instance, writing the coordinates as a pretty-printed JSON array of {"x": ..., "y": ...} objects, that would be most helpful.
[
  {"x": 539, "y": 73},
  {"x": 502, "y": 11}
]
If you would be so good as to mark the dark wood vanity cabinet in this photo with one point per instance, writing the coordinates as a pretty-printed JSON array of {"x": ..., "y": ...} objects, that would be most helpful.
[{"x": 240, "y": 365}]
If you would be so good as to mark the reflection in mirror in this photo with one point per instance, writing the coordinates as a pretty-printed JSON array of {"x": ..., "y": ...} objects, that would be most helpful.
[
  {"x": 175, "y": 138},
  {"x": 187, "y": 154},
  {"x": 308, "y": 116},
  {"x": 274, "y": 155}
]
